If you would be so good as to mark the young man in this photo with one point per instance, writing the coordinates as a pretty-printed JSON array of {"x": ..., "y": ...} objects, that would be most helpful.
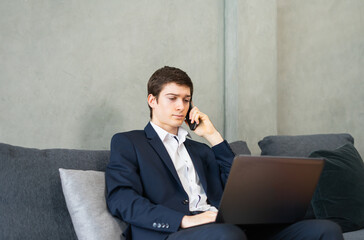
[{"x": 165, "y": 185}]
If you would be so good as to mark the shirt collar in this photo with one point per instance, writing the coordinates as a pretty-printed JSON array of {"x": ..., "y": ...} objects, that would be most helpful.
[{"x": 163, "y": 134}]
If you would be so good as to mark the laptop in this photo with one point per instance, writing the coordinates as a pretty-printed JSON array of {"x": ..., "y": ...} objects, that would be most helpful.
[{"x": 269, "y": 190}]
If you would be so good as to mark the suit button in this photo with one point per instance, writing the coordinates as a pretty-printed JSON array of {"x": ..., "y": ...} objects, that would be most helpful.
[
  {"x": 154, "y": 225},
  {"x": 167, "y": 225},
  {"x": 159, "y": 225},
  {"x": 185, "y": 202},
  {"x": 163, "y": 225}
]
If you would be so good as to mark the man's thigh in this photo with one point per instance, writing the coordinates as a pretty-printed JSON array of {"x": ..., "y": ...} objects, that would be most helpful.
[
  {"x": 212, "y": 231},
  {"x": 311, "y": 229},
  {"x": 306, "y": 229}
]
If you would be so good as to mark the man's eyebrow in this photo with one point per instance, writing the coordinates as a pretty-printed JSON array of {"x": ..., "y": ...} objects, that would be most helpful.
[{"x": 177, "y": 95}]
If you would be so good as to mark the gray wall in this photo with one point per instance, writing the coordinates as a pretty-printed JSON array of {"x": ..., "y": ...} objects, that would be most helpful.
[
  {"x": 321, "y": 67},
  {"x": 251, "y": 71},
  {"x": 72, "y": 73}
]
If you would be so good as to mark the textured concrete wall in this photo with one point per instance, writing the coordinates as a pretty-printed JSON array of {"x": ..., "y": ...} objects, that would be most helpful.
[
  {"x": 72, "y": 73},
  {"x": 320, "y": 67},
  {"x": 251, "y": 71}
]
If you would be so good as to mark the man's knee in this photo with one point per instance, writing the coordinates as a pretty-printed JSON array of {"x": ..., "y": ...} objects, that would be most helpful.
[
  {"x": 210, "y": 232},
  {"x": 327, "y": 229},
  {"x": 231, "y": 232}
]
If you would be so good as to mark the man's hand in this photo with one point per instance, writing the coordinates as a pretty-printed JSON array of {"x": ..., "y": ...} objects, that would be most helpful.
[
  {"x": 198, "y": 219},
  {"x": 205, "y": 127}
]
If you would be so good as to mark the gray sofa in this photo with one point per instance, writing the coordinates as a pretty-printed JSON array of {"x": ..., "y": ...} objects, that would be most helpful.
[{"x": 32, "y": 201}]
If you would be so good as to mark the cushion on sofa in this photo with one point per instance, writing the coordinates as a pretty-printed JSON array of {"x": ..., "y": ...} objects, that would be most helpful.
[
  {"x": 240, "y": 148},
  {"x": 355, "y": 235},
  {"x": 84, "y": 192},
  {"x": 32, "y": 204},
  {"x": 302, "y": 145},
  {"x": 339, "y": 195}
]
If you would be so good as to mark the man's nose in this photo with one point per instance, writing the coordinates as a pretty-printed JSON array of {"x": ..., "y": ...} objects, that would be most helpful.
[{"x": 180, "y": 104}]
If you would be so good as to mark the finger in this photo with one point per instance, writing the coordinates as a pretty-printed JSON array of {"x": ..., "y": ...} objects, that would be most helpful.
[
  {"x": 193, "y": 112},
  {"x": 193, "y": 117},
  {"x": 198, "y": 116}
]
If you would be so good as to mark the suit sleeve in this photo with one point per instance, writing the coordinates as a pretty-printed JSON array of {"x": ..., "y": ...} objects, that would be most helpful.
[
  {"x": 125, "y": 191},
  {"x": 224, "y": 157}
]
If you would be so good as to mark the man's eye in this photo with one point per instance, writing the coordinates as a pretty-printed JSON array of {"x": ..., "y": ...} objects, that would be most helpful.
[
  {"x": 187, "y": 100},
  {"x": 172, "y": 99}
]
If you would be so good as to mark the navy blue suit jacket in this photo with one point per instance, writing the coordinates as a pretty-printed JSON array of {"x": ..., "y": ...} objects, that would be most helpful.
[{"x": 143, "y": 187}]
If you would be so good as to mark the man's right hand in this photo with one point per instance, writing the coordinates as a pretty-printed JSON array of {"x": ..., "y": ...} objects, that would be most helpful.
[
  {"x": 198, "y": 219},
  {"x": 205, "y": 127}
]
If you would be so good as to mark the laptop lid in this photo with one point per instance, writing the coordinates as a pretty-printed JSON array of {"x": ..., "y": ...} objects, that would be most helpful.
[{"x": 269, "y": 190}]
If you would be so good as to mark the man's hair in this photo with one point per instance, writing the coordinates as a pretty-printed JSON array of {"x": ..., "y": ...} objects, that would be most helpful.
[{"x": 166, "y": 75}]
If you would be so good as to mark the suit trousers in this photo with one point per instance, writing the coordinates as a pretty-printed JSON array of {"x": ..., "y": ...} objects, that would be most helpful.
[{"x": 314, "y": 229}]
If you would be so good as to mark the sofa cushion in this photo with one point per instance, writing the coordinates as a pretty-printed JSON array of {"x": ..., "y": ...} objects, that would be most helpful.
[
  {"x": 32, "y": 204},
  {"x": 84, "y": 192},
  {"x": 355, "y": 235},
  {"x": 339, "y": 195},
  {"x": 302, "y": 145},
  {"x": 240, "y": 148}
]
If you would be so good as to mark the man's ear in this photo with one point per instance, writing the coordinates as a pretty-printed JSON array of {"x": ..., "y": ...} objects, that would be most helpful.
[{"x": 152, "y": 100}]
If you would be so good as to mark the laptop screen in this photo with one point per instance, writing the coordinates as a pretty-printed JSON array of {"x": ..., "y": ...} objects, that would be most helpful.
[{"x": 266, "y": 190}]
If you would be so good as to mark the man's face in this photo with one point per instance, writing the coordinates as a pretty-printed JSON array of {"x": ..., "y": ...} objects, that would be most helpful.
[{"x": 170, "y": 110}]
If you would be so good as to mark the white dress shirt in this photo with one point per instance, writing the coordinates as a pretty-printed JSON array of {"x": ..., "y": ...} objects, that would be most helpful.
[{"x": 185, "y": 168}]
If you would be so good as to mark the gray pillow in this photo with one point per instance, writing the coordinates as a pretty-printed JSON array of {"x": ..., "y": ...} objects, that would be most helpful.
[
  {"x": 339, "y": 195},
  {"x": 302, "y": 145},
  {"x": 240, "y": 148},
  {"x": 32, "y": 205},
  {"x": 84, "y": 192}
]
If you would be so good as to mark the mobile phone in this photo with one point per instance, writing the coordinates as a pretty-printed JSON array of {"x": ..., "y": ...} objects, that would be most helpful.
[{"x": 194, "y": 125}]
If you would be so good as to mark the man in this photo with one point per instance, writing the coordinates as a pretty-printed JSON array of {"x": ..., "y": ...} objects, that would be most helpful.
[{"x": 165, "y": 185}]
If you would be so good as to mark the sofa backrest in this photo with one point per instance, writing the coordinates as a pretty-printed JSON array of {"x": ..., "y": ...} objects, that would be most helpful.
[
  {"x": 302, "y": 145},
  {"x": 32, "y": 204}
]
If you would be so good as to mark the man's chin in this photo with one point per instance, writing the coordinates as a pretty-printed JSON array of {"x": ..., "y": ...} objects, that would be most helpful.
[{"x": 178, "y": 123}]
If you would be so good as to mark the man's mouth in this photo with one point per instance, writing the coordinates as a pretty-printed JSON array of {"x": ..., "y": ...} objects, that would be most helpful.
[{"x": 179, "y": 116}]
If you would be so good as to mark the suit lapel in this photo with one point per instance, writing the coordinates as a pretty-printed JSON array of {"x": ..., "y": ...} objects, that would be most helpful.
[{"x": 158, "y": 146}]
